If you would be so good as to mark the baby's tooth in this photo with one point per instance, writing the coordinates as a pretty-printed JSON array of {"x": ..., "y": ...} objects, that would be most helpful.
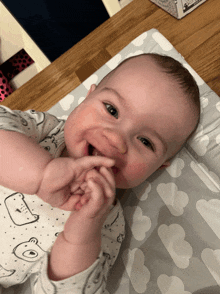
[{"x": 97, "y": 153}]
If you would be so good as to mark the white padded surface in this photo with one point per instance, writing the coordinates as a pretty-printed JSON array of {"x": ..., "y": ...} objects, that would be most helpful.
[{"x": 172, "y": 219}]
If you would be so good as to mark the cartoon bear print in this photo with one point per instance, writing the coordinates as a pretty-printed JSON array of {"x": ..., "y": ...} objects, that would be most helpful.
[
  {"x": 5, "y": 273},
  {"x": 38, "y": 116},
  {"x": 29, "y": 251},
  {"x": 51, "y": 141},
  {"x": 19, "y": 211},
  {"x": 120, "y": 238},
  {"x": 3, "y": 112}
]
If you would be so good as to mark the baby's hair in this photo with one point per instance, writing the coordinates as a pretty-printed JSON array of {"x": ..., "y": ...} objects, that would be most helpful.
[
  {"x": 174, "y": 68},
  {"x": 179, "y": 73},
  {"x": 185, "y": 80}
]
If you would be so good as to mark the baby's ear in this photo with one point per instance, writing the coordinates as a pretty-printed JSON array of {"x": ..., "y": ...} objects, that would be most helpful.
[
  {"x": 92, "y": 88},
  {"x": 164, "y": 165}
]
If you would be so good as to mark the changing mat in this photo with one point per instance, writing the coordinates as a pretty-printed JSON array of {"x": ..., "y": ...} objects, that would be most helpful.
[{"x": 172, "y": 243}]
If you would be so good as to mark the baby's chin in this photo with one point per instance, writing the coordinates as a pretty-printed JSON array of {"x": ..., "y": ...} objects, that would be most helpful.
[
  {"x": 127, "y": 183},
  {"x": 122, "y": 183}
]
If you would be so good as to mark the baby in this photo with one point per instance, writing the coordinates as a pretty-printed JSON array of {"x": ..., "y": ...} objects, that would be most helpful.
[{"x": 130, "y": 125}]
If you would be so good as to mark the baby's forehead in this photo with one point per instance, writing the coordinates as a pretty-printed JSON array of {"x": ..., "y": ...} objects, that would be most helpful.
[
  {"x": 142, "y": 62},
  {"x": 138, "y": 68},
  {"x": 141, "y": 73}
]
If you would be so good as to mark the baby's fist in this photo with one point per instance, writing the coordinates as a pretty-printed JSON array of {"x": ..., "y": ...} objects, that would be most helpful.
[{"x": 99, "y": 187}]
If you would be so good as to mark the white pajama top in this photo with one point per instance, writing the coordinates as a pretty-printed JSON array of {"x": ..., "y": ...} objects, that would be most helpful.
[{"x": 29, "y": 226}]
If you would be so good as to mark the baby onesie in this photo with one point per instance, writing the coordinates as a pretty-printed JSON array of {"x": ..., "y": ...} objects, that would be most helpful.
[{"x": 29, "y": 226}]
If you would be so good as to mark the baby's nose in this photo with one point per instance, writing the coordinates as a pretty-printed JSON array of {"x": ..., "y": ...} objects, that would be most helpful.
[{"x": 116, "y": 140}]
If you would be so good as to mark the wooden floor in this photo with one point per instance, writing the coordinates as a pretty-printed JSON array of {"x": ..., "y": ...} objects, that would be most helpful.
[{"x": 196, "y": 37}]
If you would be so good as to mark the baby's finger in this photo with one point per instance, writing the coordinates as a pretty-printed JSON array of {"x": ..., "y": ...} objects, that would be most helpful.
[
  {"x": 109, "y": 181},
  {"x": 84, "y": 199},
  {"x": 83, "y": 186},
  {"x": 70, "y": 204},
  {"x": 97, "y": 199},
  {"x": 109, "y": 176},
  {"x": 89, "y": 162},
  {"x": 100, "y": 201},
  {"x": 79, "y": 192},
  {"x": 102, "y": 181}
]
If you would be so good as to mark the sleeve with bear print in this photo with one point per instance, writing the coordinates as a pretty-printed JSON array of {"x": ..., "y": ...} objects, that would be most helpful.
[
  {"x": 42, "y": 127},
  {"x": 92, "y": 280}
]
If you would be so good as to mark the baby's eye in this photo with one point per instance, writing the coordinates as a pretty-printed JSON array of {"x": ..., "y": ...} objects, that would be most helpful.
[
  {"x": 147, "y": 143},
  {"x": 112, "y": 110}
]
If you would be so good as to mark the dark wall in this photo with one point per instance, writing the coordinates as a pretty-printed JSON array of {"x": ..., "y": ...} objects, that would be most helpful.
[{"x": 57, "y": 25}]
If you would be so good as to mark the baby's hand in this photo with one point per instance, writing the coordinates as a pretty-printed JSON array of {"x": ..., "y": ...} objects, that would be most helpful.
[
  {"x": 86, "y": 222},
  {"x": 99, "y": 185},
  {"x": 63, "y": 177}
]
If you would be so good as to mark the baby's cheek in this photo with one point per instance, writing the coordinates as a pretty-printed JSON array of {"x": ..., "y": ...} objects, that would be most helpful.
[
  {"x": 89, "y": 116},
  {"x": 138, "y": 170},
  {"x": 137, "y": 173}
]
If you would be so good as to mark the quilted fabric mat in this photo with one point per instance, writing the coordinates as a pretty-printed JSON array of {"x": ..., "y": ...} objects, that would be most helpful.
[{"x": 172, "y": 242}]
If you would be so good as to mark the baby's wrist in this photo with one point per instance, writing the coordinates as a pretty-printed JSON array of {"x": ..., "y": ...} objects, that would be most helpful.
[
  {"x": 83, "y": 233},
  {"x": 81, "y": 240},
  {"x": 67, "y": 259}
]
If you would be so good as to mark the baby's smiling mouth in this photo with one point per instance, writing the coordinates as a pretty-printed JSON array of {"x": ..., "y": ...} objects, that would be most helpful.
[{"x": 93, "y": 151}]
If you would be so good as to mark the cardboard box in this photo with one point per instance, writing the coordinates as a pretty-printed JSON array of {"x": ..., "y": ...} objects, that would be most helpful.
[{"x": 178, "y": 8}]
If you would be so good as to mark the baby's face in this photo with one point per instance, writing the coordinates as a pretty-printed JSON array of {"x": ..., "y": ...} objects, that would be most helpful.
[{"x": 138, "y": 116}]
